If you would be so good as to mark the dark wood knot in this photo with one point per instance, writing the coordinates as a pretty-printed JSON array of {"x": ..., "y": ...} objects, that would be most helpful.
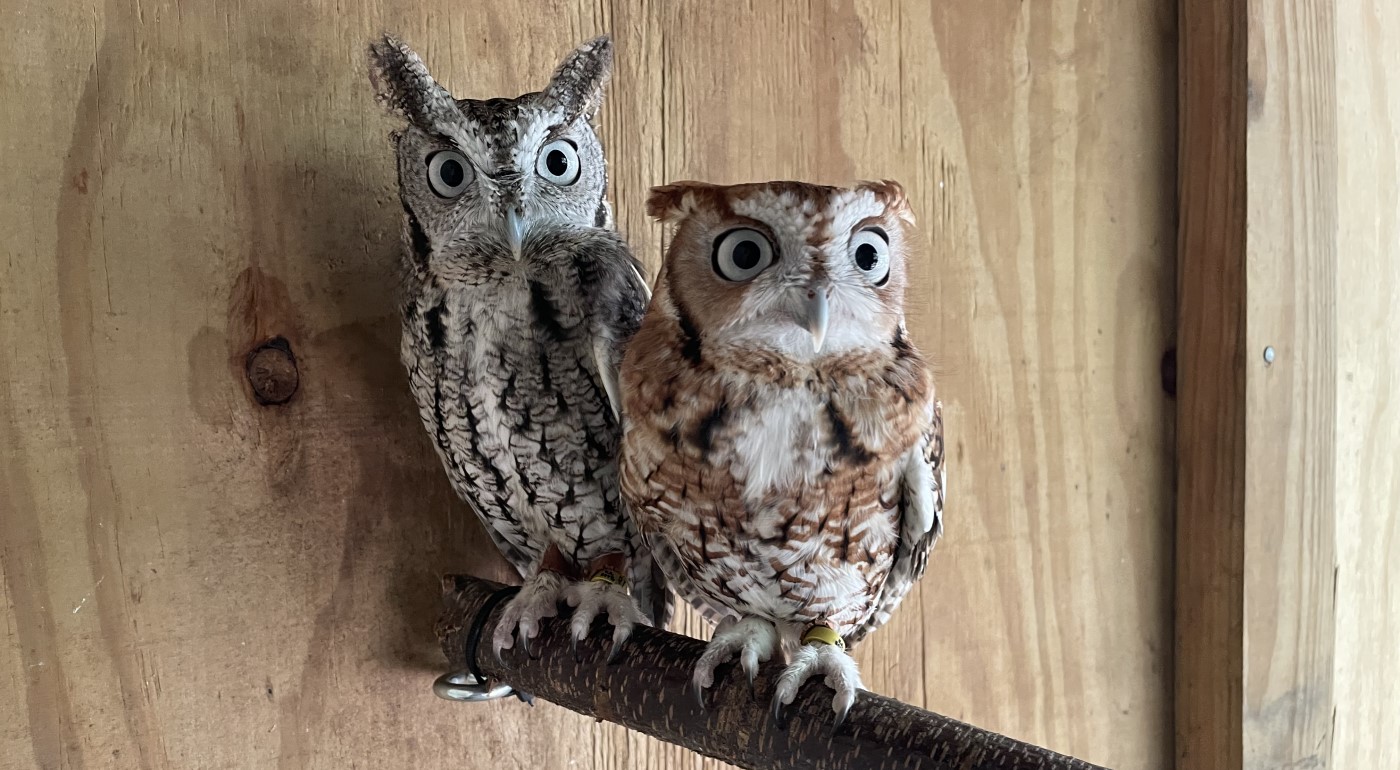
[{"x": 272, "y": 371}]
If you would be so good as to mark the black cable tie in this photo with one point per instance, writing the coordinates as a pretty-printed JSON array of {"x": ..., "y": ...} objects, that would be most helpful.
[{"x": 479, "y": 622}]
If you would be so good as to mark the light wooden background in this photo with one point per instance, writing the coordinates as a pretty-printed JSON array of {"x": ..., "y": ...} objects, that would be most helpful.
[
  {"x": 1366, "y": 682},
  {"x": 191, "y": 580}
]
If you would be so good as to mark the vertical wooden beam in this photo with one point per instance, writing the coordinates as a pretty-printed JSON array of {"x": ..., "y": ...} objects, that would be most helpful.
[
  {"x": 1291, "y": 384},
  {"x": 1256, "y": 439},
  {"x": 1211, "y": 393}
]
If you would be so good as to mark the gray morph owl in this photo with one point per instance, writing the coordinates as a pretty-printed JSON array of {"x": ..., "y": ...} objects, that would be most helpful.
[
  {"x": 783, "y": 446},
  {"x": 519, "y": 297}
]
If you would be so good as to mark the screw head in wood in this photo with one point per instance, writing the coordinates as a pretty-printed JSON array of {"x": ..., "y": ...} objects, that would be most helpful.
[{"x": 1269, "y": 354}]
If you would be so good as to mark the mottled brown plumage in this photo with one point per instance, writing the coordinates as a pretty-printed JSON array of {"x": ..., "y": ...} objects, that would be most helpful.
[{"x": 782, "y": 444}]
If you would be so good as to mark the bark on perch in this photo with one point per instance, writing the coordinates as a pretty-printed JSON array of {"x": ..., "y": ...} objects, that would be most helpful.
[{"x": 647, "y": 690}]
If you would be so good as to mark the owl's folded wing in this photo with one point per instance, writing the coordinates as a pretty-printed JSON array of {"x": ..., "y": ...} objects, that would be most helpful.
[
  {"x": 617, "y": 315},
  {"x": 920, "y": 523}
]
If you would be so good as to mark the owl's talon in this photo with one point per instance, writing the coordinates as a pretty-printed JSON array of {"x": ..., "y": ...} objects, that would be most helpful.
[
  {"x": 538, "y": 599},
  {"x": 748, "y": 660},
  {"x": 841, "y": 712},
  {"x": 753, "y": 639},
  {"x": 699, "y": 691},
  {"x": 840, "y": 674},
  {"x": 591, "y": 599}
]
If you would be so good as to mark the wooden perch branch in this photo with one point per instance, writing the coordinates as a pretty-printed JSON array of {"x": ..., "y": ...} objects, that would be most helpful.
[{"x": 648, "y": 689}]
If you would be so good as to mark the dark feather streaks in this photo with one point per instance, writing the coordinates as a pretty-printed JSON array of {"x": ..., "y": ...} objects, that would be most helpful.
[
  {"x": 436, "y": 326},
  {"x": 417, "y": 240},
  {"x": 546, "y": 315},
  {"x": 846, "y": 445},
  {"x": 520, "y": 419},
  {"x": 690, "y": 336},
  {"x": 703, "y": 436}
]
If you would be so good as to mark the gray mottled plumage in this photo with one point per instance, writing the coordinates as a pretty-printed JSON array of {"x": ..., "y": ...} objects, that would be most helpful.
[{"x": 519, "y": 297}]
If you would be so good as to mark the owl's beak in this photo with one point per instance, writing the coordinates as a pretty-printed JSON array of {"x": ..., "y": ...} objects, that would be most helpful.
[
  {"x": 515, "y": 230},
  {"x": 817, "y": 311}
]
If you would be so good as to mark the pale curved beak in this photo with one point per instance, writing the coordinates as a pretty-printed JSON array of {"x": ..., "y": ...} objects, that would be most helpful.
[
  {"x": 817, "y": 312},
  {"x": 515, "y": 230}
]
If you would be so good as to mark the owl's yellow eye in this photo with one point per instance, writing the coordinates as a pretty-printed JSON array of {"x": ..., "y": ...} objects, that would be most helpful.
[
  {"x": 870, "y": 248},
  {"x": 448, "y": 173},
  {"x": 558, "y": 163},
  {"x": 741, "y": 254}
]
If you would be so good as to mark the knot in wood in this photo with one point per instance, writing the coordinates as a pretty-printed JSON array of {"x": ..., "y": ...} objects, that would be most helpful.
[{"x": 272, "y": 371}]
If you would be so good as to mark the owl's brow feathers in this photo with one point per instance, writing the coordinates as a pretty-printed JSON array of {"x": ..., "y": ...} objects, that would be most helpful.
[{"x": 672, "y": 202}]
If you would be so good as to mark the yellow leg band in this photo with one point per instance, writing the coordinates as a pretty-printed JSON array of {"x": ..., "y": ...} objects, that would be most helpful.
[
  {"x": 606, "y": 575},
  {"x": 823, "y": 635}
]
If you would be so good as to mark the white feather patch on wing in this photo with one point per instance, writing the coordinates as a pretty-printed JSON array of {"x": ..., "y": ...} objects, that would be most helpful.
[
  {"x": 646, "y": 290},
  {"x": 919, "y": 485},
  {"x": 602, "y": 358}
]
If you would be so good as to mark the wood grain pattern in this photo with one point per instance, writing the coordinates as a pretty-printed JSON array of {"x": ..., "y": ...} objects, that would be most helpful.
[
  {"x": 1256, "y": 438},
  {"x": 1290, "y": 404},
  {"x": 1210, "y": 425},
  {"x": 1286, "y": 632},
  {"x": 194, "y": 580},
  {"x": 1366, "y": 683}
]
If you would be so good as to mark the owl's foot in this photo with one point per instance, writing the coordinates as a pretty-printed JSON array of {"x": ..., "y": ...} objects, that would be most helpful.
[
  {"x": 753, "y": 639},
  {"x": 814, "y": 658},
  {"x": 538, "y": 599},
  {"x": 595, "y": 598}
]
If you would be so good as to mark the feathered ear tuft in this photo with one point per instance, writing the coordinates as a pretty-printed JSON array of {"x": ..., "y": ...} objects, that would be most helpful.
[
  {"x": 891, "y": 194},
  {"x": 670, "y": 203},
  {"x": 577, "y": 85},
  {"x": 402, "y": 81}
]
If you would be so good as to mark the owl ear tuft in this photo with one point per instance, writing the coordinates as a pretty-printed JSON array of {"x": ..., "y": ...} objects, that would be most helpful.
[
  {"x": 673, "y": 202},
  {"x": 401, "y": 80},
  {"x": 891, "y": 194},
  {"x": 577, "y": 85}
]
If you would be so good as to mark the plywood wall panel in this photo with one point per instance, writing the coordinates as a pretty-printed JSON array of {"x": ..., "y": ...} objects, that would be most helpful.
[{"x": 192, "y": 580}]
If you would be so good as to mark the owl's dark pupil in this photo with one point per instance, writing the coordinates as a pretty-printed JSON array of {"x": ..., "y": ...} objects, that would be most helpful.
[
  {"x": 746, "y": 254},
  {"x": 866, "y": 256},
  {"x": 451, "y": 173},
  {"x": 557, "y": 162}
]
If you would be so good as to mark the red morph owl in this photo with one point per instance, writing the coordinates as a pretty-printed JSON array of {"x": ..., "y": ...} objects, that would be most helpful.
[{"x": 782, "y": 441}]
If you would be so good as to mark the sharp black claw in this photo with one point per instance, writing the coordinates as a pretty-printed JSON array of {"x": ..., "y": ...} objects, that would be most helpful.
[
  {"x": 613, "y": 653},
  {"x": 753, "y": 677},
  {"x": 840, "y": 720},
  {"x": 524, "y": 643},
  {"x": 778, "y": 712},
  {"x": 573, "y": 647},
  {"x": 526, "y": 698},
  {"x": 699, "y": 695}
]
